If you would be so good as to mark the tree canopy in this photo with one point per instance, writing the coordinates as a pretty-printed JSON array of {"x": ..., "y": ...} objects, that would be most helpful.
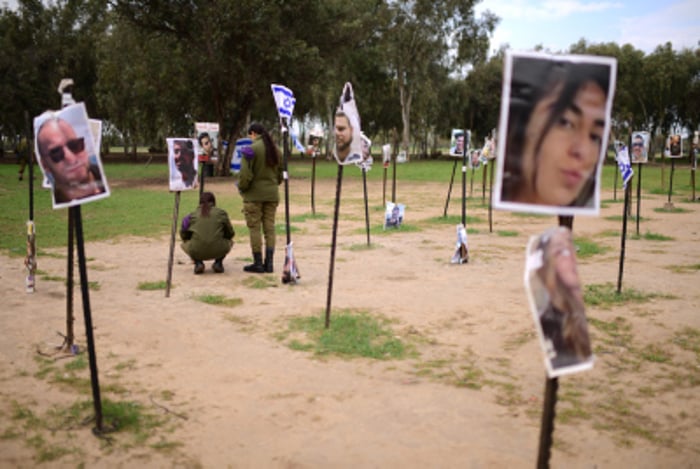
[{"x": 418, "y": 67}]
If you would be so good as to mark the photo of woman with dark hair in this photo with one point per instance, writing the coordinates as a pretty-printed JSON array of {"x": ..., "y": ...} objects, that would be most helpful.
[
  {"x": 556, "y": 300},
  {"x": 555, "y": 117}
]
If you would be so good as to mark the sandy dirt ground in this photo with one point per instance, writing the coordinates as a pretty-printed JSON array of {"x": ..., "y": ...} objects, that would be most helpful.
[{"x": 228, "y": 391}]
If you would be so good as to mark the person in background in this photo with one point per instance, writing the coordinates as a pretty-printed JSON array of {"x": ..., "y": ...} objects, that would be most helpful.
[
  {"x": 23, "y": 155},
  {"x": 207, "y": 234},
  {"x": 64, "y": 158},
  {"x": 258, "y": 184}
]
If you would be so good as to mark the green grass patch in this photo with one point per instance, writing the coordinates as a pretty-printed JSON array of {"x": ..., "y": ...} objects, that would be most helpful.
[
  {"x": 219, "y": 300},
  {"x": 148, "y": 286},
  {"x": 688, "y": 339},
  {"x": 307, "y": 216},
  {"x": 587, "y": 248},
  {"x": 649, "y": 236},
  {"x": 507, "y": 233},
  {"x": 605, "y": 295},
  {"x": 260, "y": 281},
  {"x": 630, "y": 218},
  {"x": 530, "y": 215},
  {"x": 684, "y": 269},
  {"x": 363, "y": 247},
  {"x": 655, "y": 353},
  {"x": 609, "y": 234},
  {"x": 453, "y": 220},
  {"x": 671, "y": 210},
  {"x": 351, "y": 334}
]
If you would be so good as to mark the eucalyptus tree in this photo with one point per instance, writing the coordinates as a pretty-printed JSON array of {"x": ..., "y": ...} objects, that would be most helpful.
[
  {"x": 630, "y": 105},
  {"x": 42, "y": 44},
  {"x": 234, "y": 50},
  {"x": 422, "y": 33},
  {"x": 143, "y": 85}
]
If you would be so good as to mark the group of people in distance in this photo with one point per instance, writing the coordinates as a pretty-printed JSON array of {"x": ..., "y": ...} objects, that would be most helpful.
[{"x": 207, "y": 232}]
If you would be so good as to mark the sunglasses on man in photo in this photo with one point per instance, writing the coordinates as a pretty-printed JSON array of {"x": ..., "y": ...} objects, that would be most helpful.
[{"x": 75, "y": 145}]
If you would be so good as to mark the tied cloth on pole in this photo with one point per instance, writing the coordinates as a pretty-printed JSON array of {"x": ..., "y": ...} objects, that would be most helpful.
[
  {"x": 285, "y": 101},
  {"x": 623, "y": 163},
  {"x": 461, "y": 255}
]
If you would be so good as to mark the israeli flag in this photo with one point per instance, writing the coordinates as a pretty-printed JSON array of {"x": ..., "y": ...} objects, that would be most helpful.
[
  {"x": 296, "y": 142},
  {"x": 623, "y": 162},
  {"x": 284, "y": 98}
]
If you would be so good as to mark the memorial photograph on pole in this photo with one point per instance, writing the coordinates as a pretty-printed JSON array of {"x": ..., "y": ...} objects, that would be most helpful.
[
  {"x": 555, "y": 295},
  {"x": 68, "y": 156},
  {"x": 554, "y": 126}
]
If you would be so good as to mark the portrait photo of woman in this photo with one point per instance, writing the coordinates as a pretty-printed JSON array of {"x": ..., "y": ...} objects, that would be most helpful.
[
  {"x": 555, "y": 121},
  {"x": 555, "y": 295}
]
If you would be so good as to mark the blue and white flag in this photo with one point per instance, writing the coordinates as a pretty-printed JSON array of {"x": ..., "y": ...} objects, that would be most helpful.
[
  {"x": 623, "y": 162},
  {"x": 284, "y": 98},
  {"x": 296, "y": 142}
]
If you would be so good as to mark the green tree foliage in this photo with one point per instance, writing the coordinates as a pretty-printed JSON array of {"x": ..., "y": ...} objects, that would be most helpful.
[{"x": 418, "y": 67}]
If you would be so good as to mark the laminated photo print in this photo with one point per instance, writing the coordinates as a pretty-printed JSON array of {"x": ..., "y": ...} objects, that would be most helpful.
[
  {"x": 489, "y": 149},
  {"x": 555, "y": 296},
  {"x": 67, "y": 147},
  {"x": 207, "y": 141},
  {"x": 675, "y": 146},
  {"x": 386, "y": 155},
  {"x": 182, "y": 162},
  {"x": 393, "y": 215},
  {"x": 554, "y": 126},
  {"x": 640, "y": 147},
  {"x": 475, "y": 159},
  {"x": 347, "y": 145},
  {"x": 313, "y": 143},
  {"x": 458, "y": 142}
]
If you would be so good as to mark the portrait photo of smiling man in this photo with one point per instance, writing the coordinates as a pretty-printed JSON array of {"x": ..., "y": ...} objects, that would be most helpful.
[
  {"x": 68, "y": 157},
  {"x": 555, "y": 121}
]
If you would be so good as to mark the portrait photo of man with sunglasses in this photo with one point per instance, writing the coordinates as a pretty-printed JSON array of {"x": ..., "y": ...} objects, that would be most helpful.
[
  {"x": 640, "y": 147},
  {"x": 68, "y": 158}
]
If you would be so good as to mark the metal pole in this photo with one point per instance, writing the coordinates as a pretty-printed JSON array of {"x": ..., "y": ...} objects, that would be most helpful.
[
  {"x": 364, "y": 184},
  {"x": 639, "y": 193},
  {"x": 285, "y": 158},
  {"x": 331, "y": 266},
  {"x": 670, "y": 181},
  {"x": 464, "y": 181},
  {"x": 393, "y": 181},
  {"x": 491, "y": 196},
  {"x": 547, "y": 428},
  {"x": 628, "y": 190},
  {"x": 313, "y": 185},
  {"x": 449, "y": 190},
  {"x": 88, "y": 319},
  {"x": 550, "y": 396},
  {"x": 176, "y": 210}
]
